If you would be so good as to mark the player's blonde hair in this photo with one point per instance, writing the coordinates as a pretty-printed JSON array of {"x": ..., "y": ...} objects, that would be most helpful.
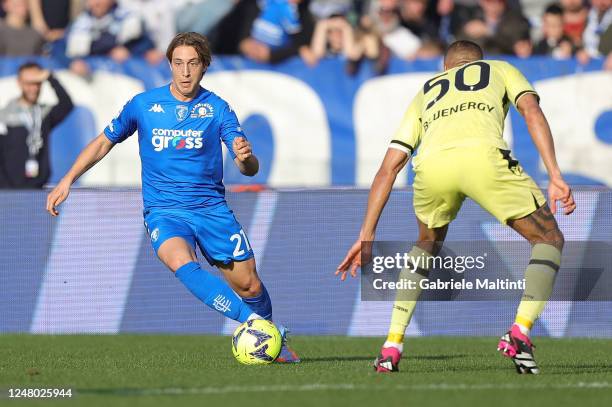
[{"x": 191, "y": 39}]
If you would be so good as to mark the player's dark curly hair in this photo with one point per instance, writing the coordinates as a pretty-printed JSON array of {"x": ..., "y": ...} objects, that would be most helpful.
[{"x": 191, "y": 39}]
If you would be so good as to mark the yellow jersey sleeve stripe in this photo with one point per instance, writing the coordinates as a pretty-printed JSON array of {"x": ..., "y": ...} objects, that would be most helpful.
[
  {"x": 524, "y": 93},
  {"x": 400, "y": 145}
]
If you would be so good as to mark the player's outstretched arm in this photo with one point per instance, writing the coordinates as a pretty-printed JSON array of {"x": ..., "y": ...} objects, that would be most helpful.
[
  {"x": 94, "y": 152},
  {"x": 558, "y": 190},
  {"x": 381, "y": 188},
  {"x": 245, "y": 160}
]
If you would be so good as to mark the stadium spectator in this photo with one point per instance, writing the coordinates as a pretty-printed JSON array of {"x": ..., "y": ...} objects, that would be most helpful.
[
  {"x": 575, "y": 15},
  {"x": 384, "y": 17},
  {"x": 334, "y": 36},
  {"x": 553, "y": 42},
  {"x": 159, "y": 18},
  {"x": 107, "y": 29},
  {"x": 322, "y": 9},
  {"x": 202, "y": 16},
  {"x": 598, "y": 21},
  {"x": 496, "y": 26},
  {"x": 605, "y": 48},
  {"x": 25, "y": 125},
  {"x": 431, "y": 48},
  {"x": 452, "y": 15},
  {"x": 523, "y": 47},
  {"x": 271, "y": 30},
  {"x": 446, "y": 14},
  {"x": 414, "y": 17},
  {"x": 51, "y": 17},
  {"x": 16, "y": 36}
]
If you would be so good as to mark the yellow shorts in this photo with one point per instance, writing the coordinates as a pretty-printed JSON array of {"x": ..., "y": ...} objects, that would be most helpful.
[{"x": 488, "y": 175}]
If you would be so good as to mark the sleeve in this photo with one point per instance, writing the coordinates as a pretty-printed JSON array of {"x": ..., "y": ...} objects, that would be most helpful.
[
  {"x": 230, "y": 129},
  {"x": 64, "y": 105},
  {"x": 124, "y": 125},
  {"x": 291, "y": 19},
  {"x": 516, "y": 84},
  {"x": 408, "y": 136}
]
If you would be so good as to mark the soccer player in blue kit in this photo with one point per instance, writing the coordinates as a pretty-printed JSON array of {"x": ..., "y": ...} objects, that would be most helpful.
[{"x": 180, "y": 129}]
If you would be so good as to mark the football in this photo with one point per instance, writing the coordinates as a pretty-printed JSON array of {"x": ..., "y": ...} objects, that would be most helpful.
[{"x": 256, "y": 342}]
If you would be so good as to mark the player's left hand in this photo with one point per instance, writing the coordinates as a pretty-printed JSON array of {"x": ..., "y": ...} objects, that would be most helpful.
[
  {"x": 242, "y": 148},
  {"x": 558, "y": 190},
  {"x": 353, "y": 259}
]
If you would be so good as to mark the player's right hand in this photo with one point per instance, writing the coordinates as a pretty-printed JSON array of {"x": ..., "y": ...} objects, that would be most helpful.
[
  {"x": 57, "y": 196},
  {"x": 354, "y": 258},
  {"x": 558, "y": 190}
]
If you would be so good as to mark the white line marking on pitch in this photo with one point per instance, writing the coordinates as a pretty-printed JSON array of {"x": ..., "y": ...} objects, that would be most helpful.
[{"x": 339, "y": 386}]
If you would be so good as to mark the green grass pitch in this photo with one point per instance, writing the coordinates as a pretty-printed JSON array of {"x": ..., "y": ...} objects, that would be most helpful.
[{"x": 147, "y": 370}]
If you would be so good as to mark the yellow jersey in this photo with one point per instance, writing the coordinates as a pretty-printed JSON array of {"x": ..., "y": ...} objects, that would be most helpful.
[{"x": 461, "y": 107}]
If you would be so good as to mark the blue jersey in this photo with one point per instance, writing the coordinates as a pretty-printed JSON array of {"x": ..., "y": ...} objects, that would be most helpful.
[{"x": 180, "y": 146}]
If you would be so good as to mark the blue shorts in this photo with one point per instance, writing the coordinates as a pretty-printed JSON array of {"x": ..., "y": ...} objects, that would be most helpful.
[{"x": 215, "y": 230}]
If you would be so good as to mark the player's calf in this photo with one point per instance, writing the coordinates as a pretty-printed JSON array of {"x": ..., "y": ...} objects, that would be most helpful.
[{"x": 242, "y": 277}]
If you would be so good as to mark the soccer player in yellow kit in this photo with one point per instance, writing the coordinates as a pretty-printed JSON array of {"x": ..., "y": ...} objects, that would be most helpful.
[{"x": 456, "y": 121}]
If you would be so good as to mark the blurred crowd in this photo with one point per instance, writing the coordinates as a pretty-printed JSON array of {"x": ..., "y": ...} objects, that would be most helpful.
[{"x": 270, "y": 31}]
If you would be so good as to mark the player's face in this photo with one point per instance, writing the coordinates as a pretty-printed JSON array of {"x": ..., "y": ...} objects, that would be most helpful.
[
  {"x": 30, "y": 84},
  {"x": 187, "y": 70}
]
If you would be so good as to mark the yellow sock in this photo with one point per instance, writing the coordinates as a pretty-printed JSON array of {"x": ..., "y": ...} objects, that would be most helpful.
[
  {"x": 539, "y": 279},
  {"x": 406, "y": 300}
]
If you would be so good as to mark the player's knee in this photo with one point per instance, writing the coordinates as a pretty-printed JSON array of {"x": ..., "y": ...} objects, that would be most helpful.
[
  {"x": 555, "y": 237},
  {"x": 176, "y": 263},
  {"x": 249, "y": 288},
  {"x": 430, "y": 246}
]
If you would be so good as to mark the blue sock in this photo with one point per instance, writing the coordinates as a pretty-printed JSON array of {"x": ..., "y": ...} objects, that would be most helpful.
[
  {"x": 213, "y": 291},
  {"x": 261, "y": 305}
]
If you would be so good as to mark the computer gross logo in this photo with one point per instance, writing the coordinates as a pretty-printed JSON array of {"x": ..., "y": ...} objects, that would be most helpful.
[{"x": 177, "y": 139}]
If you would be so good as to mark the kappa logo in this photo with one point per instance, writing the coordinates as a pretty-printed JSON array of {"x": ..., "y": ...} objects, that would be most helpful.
[
  {"x": 181, "y": 112},
  {"x": 202, "y": 110},
  {"x": 222, "y": 304},
  {"x": 155, "y": 235},
  {"x": 156, "y": 108}
]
